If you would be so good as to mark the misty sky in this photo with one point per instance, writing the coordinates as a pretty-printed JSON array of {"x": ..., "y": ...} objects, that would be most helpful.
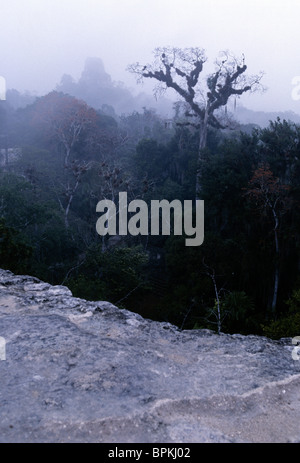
[{"x": 43, "y": 39}]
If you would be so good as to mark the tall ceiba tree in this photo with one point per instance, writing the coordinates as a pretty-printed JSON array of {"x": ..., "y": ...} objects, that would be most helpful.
[{"x": 181, "y": 70}]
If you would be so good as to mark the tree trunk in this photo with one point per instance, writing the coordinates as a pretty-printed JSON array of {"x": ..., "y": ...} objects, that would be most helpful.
[
  {"x": 276, "y": 276},
  {"x": 276, "y": 273},
  {"x": 202, "y": 145},
  {"x": 218, "y": 314},
  {"x": 6, "y": 154},
  {"x": 67, "y": 210},
  {"x": 67, "y": 155}
]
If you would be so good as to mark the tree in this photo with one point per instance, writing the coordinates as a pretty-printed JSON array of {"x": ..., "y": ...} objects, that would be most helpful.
[
  {"x": 216, "y": 311},
  {"x": 65, "y": 118},
  {"x": 181, "y": 69},
  {"x": 269, "y": 194},
  {"x": 77, "y": 170},
  {"x": 14, "y": 252}
]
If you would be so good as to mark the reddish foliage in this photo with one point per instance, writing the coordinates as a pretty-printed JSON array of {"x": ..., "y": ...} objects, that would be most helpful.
[
  {"x": 266, "y": 190},
  {"x": 64, "y": 118}
]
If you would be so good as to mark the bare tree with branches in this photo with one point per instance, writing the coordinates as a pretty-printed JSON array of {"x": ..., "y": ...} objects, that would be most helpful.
[
  {"x": 269, "y": 194},
  {"x": 216, "y": 311},
  {"x": 181, "y": 70}
]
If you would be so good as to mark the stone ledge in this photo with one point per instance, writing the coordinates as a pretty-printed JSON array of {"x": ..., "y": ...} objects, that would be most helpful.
[{"x": 81, "y": 371}]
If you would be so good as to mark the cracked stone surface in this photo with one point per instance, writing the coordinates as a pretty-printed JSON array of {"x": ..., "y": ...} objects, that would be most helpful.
[{"x": 80, "y": 371}]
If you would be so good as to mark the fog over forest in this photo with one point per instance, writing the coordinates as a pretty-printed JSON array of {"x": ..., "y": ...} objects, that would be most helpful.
[
  {"x": 44, "y": 39},
  {"x": 98, "y": 89},
  {"x": 195, "y": 101},
  {"x": 149, "y": 223}
]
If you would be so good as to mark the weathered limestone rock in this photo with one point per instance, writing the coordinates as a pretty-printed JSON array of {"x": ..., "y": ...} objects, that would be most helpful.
[{"x": 79, "y": 371}]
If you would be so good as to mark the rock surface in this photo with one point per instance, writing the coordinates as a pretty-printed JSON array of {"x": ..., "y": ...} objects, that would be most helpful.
[{"x": 79, "y": 371}]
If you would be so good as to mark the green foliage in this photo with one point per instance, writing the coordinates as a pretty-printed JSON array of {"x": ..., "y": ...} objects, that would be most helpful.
[
  {"x": 15, "y": 254},
  {"x": 285, "y": 327},
  {"x": 288, "y": 325},
  {"x": 87, "y": 288},
  {"x": 150, "y": 160},
  {"x": 157, "y": 276},
  {"x": 239, "y": 310},
  {"x": 123, "y": 271},
  {"x": 237, "y": 304},
  {"x": 113, "y": 275}
]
